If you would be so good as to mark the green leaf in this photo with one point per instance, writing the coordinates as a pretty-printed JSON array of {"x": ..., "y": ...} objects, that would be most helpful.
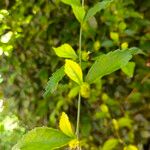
[
  {"x": 129, "y": 69},
  {"x": 96, "y": 8},
  {"x": 108, "y": 63},
  {"x": 79, "y": 12},
  {"x": 125, "y": 122},
  {"x": 65, "y": 125},
  {"x": 53, "y": 81},
  {"x": 73, "y": 71},
  {"x": 74, "y": 92},
  {"x": 72, "y": 2},
  {"x": 43, "y": 138},
  {"x": 135, "y": 51},
  {"x": 110, "y": 144},
  {"x": 65, "y": 51}
]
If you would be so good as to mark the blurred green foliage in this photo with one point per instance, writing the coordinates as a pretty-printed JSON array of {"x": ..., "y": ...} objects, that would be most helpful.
[{"x": 118, "y": 106}]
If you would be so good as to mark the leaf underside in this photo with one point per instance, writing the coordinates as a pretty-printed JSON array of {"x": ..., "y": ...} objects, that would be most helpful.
[
  {"x": 42, "y": 138},
  {"x": 53, "y": 81}
]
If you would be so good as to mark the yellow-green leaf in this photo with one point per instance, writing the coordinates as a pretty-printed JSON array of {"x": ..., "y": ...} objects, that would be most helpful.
[
  {"x": 65, "y": 125},
  {"x": 73, "y": 144},
  {"x": 129, "y": 69},
  {"x": 125, "y": 122},
  {"x": 43, "y": 138},
  {"x": 79, "y": 12},
  {"x": 110, "y": 144},
  {"x": 130, "y": 147},
  {"x": 73, "y": 71},
  {"x": 85, "y": 90},
  {"x": 74, "y": 92},
  {"x": 65, "y": 51}
]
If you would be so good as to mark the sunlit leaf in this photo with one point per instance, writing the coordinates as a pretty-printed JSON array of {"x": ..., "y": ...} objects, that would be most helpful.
[
  {"x": 65, "y": 125},
  {"x": 110, "y": 144},
  {"x": 130, "y": 147},
  {"x": 65, "y": 51},
  {"x": 6, "y": 37},
  {"x": 53, "y": 81},
  {"x": 73, "y": 144},
  {"x": 79, "y": 13},
  {"x": 125, "y": 122},
  {"x": 73, "y": 71},
  {"x": 43, "y": 138}
]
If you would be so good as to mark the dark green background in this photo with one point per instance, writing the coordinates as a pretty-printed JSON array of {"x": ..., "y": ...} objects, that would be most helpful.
[{"x": 28, "y": 61}]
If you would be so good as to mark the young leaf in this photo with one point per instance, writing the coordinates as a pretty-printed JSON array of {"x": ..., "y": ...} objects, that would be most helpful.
[
  {"x": 43, "y": 138},
  {"x": 129, "y": 69},
  {"x": 110, "y": 144},
  {"x": 74, "y": 92},
  {"x": 65, "y": 51},
  {"x": 79, "y": 12},
  {"x": 65, "y": 125},
  {"x": 53, "y": 81},
  {"x": 72, "y": 2},
  {"x": 96, "y": 8},
  {"x": 108, "y": 63},
  {"x": 73, "y": 71}
]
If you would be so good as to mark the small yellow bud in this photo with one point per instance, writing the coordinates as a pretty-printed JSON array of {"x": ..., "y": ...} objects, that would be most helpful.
[
  {"x": 73, "y": 143},
  {"x": 97, "y": 45},
  {"x": 114, "y": 36},
  {"x": 115, "y": 124},
  {"x": 124, "y": 45},
  {"x": 85, "y": 55},
  {"x": 104, "y": 108},
  {"x": 85, "y": 90}
]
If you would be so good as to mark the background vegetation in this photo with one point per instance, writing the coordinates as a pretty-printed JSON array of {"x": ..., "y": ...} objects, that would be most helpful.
[{"x": 29, "y": 30}]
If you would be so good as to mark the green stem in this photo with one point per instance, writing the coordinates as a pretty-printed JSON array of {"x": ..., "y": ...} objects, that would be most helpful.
[
  {"x": 80, "y": 45},
  {"x": 79, "y": 97},
  {"x": 78, "y": 116}
]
